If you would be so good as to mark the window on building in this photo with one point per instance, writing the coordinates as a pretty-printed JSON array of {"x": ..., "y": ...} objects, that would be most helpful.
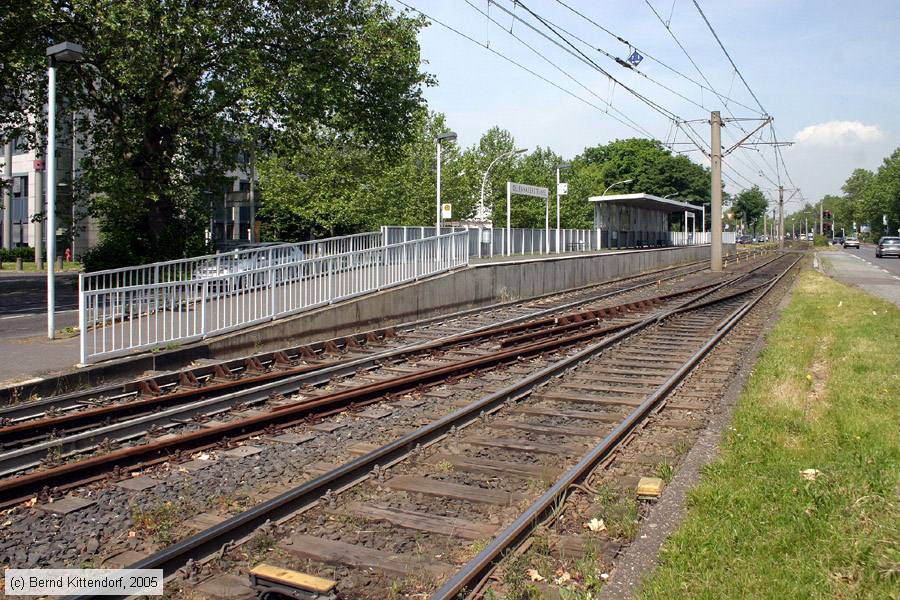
[{"x": 20, "y": 145}]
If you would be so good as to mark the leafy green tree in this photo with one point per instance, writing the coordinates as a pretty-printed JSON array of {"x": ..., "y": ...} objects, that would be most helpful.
[
  {"x": 171, "y": 90},
  {"x": 652, "y": 168},
  {"x": 749, "y": 205}
]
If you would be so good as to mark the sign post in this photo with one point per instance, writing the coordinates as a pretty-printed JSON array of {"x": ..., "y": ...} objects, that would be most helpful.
[{"x": 523, "y": 190}]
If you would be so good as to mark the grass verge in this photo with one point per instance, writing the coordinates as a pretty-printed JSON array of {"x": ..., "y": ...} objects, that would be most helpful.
[{"x": 803, "y": 501}]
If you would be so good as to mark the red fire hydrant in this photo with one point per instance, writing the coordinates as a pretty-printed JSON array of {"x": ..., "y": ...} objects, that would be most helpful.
[{"x": 68, "y": 255}]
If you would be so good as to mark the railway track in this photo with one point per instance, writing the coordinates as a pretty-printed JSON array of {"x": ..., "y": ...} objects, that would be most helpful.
[
  {"x": 473, "y": 484},
  {"x": 32, "y": 435}
]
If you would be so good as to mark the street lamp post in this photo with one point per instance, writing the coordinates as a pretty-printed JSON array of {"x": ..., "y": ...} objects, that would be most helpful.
[
  {"x": 559, "y": 167},
  {"x": 623, "y": 182},
  {"x": 484, "y": 179},
  {"x": 448, "y": 136},
  {"x": 64, "y": 52}
]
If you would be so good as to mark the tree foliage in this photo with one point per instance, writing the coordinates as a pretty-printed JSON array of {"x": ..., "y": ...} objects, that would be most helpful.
[
  {"x": 749, "y": 206},
  {"x": 171, "y": 90},
  {"x": 868, "y": 198}
]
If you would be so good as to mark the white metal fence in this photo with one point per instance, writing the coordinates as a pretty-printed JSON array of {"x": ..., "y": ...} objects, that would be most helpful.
[
  {"x": 149, "y": 306},
  {"x": 688, "y": 238},
  {"x": 489, "y": 242}
]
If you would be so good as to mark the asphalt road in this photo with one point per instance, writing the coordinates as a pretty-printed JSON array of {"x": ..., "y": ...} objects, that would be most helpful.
[
  {"x": 867, "y": 252},
  {"x": 23, "y": 305}
]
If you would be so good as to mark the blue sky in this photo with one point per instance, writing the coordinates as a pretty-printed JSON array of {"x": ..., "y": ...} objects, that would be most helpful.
[{"x": 827, "y": 71}]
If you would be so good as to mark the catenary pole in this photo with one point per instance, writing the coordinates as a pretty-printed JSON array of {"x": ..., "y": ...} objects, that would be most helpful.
[{"x": 715, "y": 251}]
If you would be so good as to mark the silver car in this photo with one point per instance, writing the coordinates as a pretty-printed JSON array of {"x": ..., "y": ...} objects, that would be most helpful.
[
  {"x": 851, "y": 242},
  {"x": 888, "y": 246}
]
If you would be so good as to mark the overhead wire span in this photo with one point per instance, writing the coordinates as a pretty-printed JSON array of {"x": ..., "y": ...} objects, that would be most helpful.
[{"x": 510, "y": 60}]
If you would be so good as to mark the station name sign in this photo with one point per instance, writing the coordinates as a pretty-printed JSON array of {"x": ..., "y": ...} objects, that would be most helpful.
[{"x": 528, "y": 190}]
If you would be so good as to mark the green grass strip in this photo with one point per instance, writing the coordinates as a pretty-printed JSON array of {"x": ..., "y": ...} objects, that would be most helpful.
[{"x": 825, "y": 395}]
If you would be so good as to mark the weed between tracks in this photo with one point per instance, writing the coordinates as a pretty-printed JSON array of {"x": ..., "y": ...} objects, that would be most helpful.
[{"x": 803, "y": 502}]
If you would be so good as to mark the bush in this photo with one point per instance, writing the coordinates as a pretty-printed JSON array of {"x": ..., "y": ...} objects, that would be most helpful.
[
  {"x": 26, "y": 253},
  {"x": 108, "y": 254},
  {"x": 820, "y": 240}
]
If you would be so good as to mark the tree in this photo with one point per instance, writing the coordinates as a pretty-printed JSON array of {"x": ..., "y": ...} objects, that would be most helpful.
[
  {"x": 652, "y": 169},
  {"x": 172, "y": 89},
  {"x": 749, "y": 205}
]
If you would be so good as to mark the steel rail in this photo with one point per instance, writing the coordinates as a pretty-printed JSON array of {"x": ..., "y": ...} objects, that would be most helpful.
[
  {"x": 522, "y": 527},
  {"x": 93, "y": 468},
  {"x": 19, "y": 459},
  {"x": 33, "y": 431},
  {"x": 78, "y": 399},
  {"x": 306, "y": 495}
]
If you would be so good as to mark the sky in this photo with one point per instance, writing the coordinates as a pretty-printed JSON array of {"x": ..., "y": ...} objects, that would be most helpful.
[{"x": 827, "y": 71}]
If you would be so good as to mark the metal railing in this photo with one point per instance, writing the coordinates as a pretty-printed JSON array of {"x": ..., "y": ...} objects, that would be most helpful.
[
  {"x": 489, "y": 242},
  {"x": 228, "y": 262},
  {"x": 194, "y": 299}
]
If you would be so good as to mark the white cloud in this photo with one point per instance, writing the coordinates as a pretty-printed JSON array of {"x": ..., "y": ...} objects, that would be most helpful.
[{"x": 838, "y": 133}]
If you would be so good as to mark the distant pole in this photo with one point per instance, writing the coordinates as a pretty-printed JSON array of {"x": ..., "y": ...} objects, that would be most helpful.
[
  {"x": 703, "y": 224},
  {"x": 7, "y": 195},
  {"x": 508, "y": 213},
  {"x": 781, "y": 217},
  {"x": 821, "y": 217},
  {"x": 557, "y": 209},
  {"x": 39, "y": 205},
  {"x": 252, "y": 235},
  {"x": 437, "y": 217},
  {"x": 715, "y": 251}
]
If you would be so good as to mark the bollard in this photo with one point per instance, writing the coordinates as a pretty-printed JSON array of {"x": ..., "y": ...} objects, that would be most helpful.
[
  {"x": 59, "y": 263},
  {"x": 39, "y": 263},
  {"x": 19, "y": 264}
]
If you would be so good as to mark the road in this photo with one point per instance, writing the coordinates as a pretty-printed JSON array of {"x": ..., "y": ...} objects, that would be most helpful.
[
  {"x": 867, "y": 252},
  {"x": 860, "y": 268}
]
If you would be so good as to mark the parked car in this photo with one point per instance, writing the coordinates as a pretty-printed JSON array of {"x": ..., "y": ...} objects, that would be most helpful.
[
  {"x": 851, "y": 242},
  {"x": 763, "y": 239},
  {"x": 744, "y": 239},
  {"x": 888, "y": 246}
]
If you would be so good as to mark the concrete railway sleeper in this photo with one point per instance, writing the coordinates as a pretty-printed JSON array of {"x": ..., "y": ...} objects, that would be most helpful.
[
  {"x": 34, "y": 454},
  {"x": 514, "y": 444}
]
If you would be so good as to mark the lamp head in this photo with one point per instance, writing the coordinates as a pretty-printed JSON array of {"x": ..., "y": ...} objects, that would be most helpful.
[
  {"x": 66, "y": 52},
  {"x": 563, "y": 166},
  {"x": 447, "y": 136}
]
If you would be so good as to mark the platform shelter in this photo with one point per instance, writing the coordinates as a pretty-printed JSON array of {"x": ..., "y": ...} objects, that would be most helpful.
[{"x": 642, "y": 220}]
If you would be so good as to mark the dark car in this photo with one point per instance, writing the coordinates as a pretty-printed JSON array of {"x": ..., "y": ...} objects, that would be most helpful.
[
  {"x": 744, "y": 239},
  {"x": 851, "y": 242},
  {"x": 888, "y": 246}
]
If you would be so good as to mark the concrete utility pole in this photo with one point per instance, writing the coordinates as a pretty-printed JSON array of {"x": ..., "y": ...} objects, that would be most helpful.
[
  {"x": 821, "y": 217},
  {"x": 7, "y": 196},
  {"x": 715, "y": 160},
  {"x": 781, "y": 217}
]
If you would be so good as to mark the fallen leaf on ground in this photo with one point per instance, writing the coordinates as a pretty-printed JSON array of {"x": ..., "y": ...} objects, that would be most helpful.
[
  {"x": 562, "y": 577},
  {"x": 595, "y": 524},
  {"x": 534, "y": 575},
  {"x": 810, "y": 474}
]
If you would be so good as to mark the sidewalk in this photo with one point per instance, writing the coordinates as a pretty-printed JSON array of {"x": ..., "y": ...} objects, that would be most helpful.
[
  {"x": 25, "y": 351},
  {"x": 858, "y": 272}
]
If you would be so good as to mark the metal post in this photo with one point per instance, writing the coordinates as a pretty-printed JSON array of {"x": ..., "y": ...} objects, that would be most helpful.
[
  {"x": 781, "y": 217},
  {"x": 508, "y": 199},
  {"x": 437, "y": 218},
  {"x": 821, "y": 217},
  {"x": 557, "y": 209},
  {"x": 39, "y": 207},
  {"x": 715, "y": 251},
  {"x": 51, "y": 199},
  {"x": 7, "y": 195},
  {"x": 252, "y": 236},
  {"x": 547, "y": 225}
]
